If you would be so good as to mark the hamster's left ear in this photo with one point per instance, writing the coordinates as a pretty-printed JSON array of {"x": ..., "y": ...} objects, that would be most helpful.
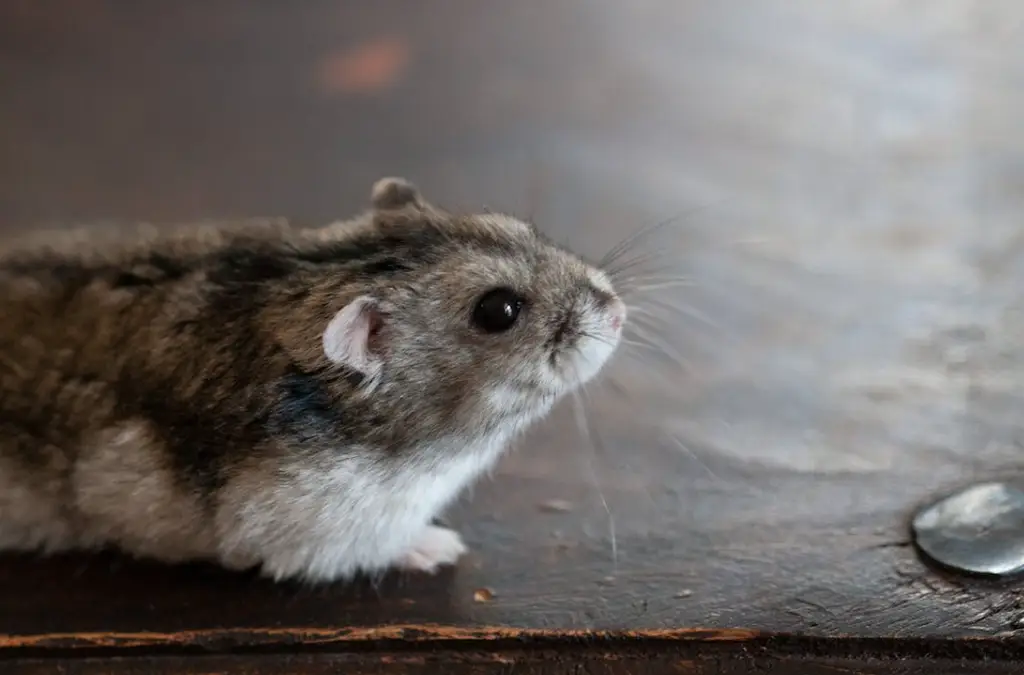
[
  {"x": 390, "y": 194},
  {"x": 352, "y": 338}
]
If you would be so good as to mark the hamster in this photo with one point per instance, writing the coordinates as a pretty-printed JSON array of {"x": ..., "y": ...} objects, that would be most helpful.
[{"x": 301, "y": 401}]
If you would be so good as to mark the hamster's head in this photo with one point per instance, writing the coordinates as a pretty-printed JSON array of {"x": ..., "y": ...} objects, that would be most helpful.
[{"x": 462, "y": 323}]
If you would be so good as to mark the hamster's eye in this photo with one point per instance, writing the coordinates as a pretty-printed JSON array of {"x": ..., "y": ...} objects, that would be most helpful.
[{"x": 497, "y": 310}]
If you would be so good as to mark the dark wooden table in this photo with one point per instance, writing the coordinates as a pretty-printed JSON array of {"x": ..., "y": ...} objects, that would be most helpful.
[{"x": 849, "y": 182}]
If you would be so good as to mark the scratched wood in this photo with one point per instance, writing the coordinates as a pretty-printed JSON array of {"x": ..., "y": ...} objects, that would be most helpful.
[{"x": 846, "y": 180}]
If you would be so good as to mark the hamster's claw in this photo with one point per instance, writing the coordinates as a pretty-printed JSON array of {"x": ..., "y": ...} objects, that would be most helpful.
[{"x": 436, "y": 547}]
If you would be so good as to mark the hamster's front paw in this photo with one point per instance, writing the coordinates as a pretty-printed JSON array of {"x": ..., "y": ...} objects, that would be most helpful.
[{"x": 437, "y": 546}]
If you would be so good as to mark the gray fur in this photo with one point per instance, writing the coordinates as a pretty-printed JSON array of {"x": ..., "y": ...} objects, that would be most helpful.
[{"x": 170, "y": 393}]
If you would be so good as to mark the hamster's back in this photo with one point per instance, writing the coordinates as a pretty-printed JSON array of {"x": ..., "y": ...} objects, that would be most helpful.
[{"x": 77, "y": 308}]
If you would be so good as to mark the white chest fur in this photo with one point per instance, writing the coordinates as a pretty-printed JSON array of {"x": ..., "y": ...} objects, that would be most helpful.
[{"x": 356, "y": 513}]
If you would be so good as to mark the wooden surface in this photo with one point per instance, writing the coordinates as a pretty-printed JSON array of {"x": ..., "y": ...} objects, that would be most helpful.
[{"x": 848, "y": 183}]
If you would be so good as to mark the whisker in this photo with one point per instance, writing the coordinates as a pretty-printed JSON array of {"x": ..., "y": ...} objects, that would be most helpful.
[
  {"x": 645, "y": 341},
  {"x": 686, "y": 311},
  {"x": 696, "y": 458},
  {"x": 710, "y": 291},
  {"x": 599, "y": 338},
  {"x": 620, "y": 267},
  {"x": 584, "y": 427},
  {"x": 632, "y": 240},
  {"x": 657, "y": 285},
  {"x": 633, "y": 278},
  {"x": 622, "y": 260},
  {"x": 644, "y": 319},
  {"x": 624, "y": 245},
  {"x": 654, "y": 277},
  {"x": 643, "y": 345}
]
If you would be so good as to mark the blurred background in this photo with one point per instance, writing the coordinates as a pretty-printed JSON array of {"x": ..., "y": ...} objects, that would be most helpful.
[
  {"x": 847, "y": 181},
  {"x": 844, "y": 177}
]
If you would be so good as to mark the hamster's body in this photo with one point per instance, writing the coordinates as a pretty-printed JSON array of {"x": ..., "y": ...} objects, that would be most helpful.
[{"x": 305, "y": 401}]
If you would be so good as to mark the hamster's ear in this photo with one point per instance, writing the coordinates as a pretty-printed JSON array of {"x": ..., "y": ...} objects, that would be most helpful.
[
  {"x": 389, "y": 194},
  {"x": 350, "y": 338}
]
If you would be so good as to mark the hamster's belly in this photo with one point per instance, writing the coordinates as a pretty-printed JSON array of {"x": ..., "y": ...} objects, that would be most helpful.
[{"x": 356, "y": 513}]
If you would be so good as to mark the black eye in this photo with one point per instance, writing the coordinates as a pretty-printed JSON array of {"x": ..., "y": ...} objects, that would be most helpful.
[{"x": 497, "y": 310}]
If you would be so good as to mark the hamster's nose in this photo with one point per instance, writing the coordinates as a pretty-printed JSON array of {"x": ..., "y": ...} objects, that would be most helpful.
[{"x": 617, "y": 314}]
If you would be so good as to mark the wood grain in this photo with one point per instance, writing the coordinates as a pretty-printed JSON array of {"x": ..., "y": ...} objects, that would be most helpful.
[
  {"x": 846, "y": 181},
  {"x": 589, "y": 659}
]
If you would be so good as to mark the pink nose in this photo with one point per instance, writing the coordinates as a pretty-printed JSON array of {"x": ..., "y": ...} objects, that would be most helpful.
[{"x": 617, "y": 312}]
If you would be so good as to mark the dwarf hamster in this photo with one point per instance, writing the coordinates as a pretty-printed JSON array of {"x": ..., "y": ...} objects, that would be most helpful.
[{"x": 300, "y": 400}]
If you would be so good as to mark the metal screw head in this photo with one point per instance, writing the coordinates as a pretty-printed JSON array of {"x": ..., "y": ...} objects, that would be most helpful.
[{"x": 978, "y": 530}]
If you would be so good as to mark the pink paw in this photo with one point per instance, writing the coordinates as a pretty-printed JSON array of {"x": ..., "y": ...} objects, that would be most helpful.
[{"x": 436, "y": 547}]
